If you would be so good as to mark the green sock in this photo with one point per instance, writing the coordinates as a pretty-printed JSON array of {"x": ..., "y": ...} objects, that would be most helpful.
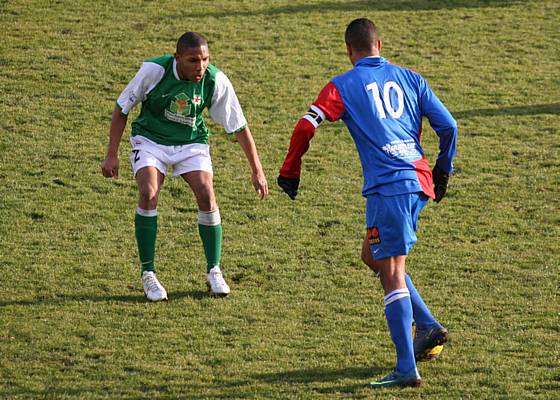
[
  {"x": 146, "y": 231},
  {"x": 211, "y": 236}
]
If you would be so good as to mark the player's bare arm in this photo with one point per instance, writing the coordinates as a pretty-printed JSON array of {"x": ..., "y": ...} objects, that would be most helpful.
[
  {"x": 110, "y": 166},
  {"x": 245, "y": 139}
]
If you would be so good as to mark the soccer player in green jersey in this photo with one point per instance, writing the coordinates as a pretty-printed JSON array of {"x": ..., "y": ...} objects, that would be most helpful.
[{"x": 170, "y": 131}]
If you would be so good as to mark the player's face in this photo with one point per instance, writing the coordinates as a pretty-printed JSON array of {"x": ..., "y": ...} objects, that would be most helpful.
[{"x": 192, "y": 63}]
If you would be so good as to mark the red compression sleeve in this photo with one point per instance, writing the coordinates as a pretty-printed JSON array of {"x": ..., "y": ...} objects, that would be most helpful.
[
  {"x": 328, "y": 105},
  {"x": 299, "y": 144}
]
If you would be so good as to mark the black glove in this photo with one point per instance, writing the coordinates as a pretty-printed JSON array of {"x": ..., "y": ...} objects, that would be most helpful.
[
  {"x": 441, "y": 179},
  {"x": 289, "y": 185}
]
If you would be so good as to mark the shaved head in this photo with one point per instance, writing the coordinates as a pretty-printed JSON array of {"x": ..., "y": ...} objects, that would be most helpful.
[
  {"x": 190, "y": 40},
  {"x": 361, "y": 34}
]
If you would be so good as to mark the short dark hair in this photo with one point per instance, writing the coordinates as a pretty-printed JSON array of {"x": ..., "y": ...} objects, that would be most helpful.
[
  {"x": 189, "y": 40},
  {"x": 361, "y": 34}
]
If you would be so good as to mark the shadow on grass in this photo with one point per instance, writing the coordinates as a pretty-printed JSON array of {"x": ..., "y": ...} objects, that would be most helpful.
[
  {"x": 319, "y": 375},
  {"x": 315, "y": 378},
  {"x": 359, "y": 5},
  {"x": 553, "y": 108},
  {"x": 132, "y": 298}
]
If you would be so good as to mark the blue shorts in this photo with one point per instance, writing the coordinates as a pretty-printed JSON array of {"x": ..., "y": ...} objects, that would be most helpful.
[{"x": 391, "y": 223}]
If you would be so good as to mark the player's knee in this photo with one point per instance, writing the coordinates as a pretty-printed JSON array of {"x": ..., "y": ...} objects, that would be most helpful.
[
  {"x": 206, "y": 200},
  {"x": 148, "y": 194},
  {"x": 391, "y": 278}
]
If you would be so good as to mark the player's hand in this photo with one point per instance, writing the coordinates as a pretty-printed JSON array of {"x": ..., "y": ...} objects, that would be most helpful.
[
  {"x": 260, "y": 184},
  {"x": 110, "y": 167},
  {"x": 289, "y": 185},
  {"x": 441, "y": 180}
]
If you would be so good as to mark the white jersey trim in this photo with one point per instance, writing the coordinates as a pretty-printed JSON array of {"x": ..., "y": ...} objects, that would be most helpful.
[
  {"x": 225, "y": 108},
  {"x": 147, "y": 77}
]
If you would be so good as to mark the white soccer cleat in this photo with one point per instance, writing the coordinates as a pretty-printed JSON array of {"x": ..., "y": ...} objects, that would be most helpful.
[
  {"x": 217, "y": 286},
  {"x": 152, "y": 288}
]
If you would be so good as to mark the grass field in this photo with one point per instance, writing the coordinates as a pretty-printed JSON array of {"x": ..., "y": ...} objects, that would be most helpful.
[{"x": 305, "y": 318}]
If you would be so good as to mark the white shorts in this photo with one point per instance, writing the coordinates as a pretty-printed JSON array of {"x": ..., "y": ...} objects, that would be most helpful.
[{"x": 183, "y": 158}]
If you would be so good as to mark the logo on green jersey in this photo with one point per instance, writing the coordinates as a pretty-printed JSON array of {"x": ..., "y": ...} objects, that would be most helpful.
[
  {"x": 180, "y": 105},
  {"x": 180, "y": 110}
]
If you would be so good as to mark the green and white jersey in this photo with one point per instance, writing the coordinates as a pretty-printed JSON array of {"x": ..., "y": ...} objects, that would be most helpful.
[{"x": 172, "y": 108}]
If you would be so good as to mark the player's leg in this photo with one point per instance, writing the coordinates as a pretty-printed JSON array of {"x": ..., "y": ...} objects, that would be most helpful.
[
  {"x": 149, "y": 173},
  {"x": 367, "y": 258},
  {"x": 194, "y": 164},
  {"x": 209, "y": 221},
  {"x": 388, "y": 244},
  {"x": 398, "y": 312},
  {"x": 428, "y": 342},
  {"x": 149, "y": 181},
  {"x": 429, "y": 335},
  {"x": 209, "y": 228},
  {"x": 422, "y": 315}
]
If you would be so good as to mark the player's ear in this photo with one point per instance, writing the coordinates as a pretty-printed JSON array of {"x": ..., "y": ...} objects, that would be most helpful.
[{"x": 379, "y": 44}]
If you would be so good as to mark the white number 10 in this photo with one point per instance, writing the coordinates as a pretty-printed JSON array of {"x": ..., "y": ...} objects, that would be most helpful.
[{"x": 387, "y": 99}]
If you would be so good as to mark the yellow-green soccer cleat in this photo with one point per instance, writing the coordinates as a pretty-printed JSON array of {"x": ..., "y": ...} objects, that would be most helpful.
[
  {"x": 396, "y": 379},
  {"x": 428, "y": 343}
]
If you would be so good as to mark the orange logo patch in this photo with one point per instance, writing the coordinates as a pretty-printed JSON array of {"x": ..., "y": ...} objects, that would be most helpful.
[{"x": 373, "y": 235}]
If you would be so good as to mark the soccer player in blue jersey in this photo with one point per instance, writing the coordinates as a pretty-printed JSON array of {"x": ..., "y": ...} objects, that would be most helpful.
[{"x": 382, "y": 105}]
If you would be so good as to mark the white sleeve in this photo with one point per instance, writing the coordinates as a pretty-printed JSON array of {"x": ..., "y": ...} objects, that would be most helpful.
[
  {"x": 137, "y": 89},
  {"x": 225, "y": 108}
]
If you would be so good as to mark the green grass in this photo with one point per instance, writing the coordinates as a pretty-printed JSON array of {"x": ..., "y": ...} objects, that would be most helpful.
[{"x": 305, "y": 318}]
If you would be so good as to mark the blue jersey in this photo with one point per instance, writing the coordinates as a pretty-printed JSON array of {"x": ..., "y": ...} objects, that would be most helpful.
[{"x": 382, "y": 105}]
